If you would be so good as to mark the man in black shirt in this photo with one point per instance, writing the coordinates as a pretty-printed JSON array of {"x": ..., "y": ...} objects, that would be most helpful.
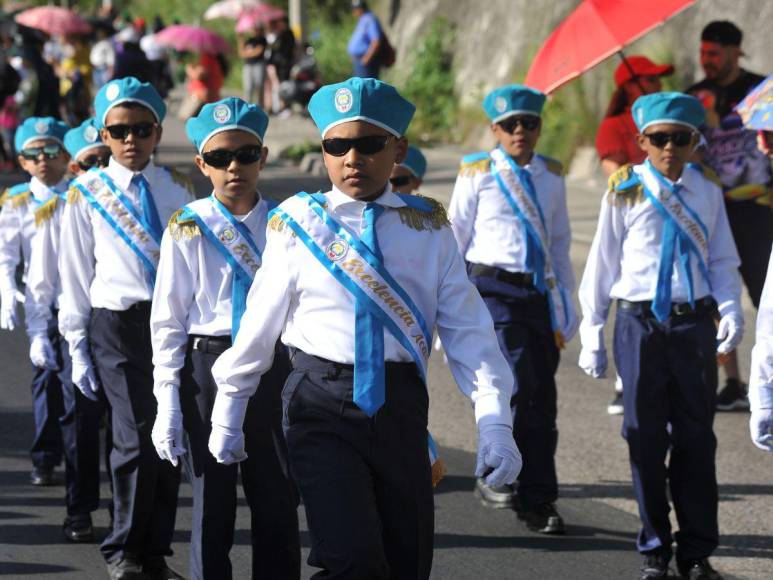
[{"x": 744, "y": 171}]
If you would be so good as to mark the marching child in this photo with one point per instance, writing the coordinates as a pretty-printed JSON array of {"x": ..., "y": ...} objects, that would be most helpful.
[
  {"x": 353, "y": 281},
  {"x": 209, "y": 256},
  {"x": 82, "y": 414},
  {"x": 110, "y": 243},
  {"x": 664, "y": 252},
  {"x": 508, "y": 213},
  {"x": 406, "y": 176},
  {"x": 39, "y": 142}
]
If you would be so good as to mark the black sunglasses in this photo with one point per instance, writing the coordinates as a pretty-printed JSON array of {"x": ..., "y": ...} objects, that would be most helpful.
[
  {"x": 368, "y": 145},
  {"x": 529, "y": 123},
  {"x": 140, "y": 130},
  {"x": 94, "y": 161},
  {"x": 220, "y": 158},
  {"x": 400, "y": 181},
  {"x": 679, "y": 138},
  {"x": 49, "y": 151}
]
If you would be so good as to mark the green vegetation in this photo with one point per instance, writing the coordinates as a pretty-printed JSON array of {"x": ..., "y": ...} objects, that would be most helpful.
[
  {"x": 329, "y": 37},
  {"x": 297, "y": 151}
]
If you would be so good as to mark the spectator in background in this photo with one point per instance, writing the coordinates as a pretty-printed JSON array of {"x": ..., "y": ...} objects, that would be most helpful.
[
  {"x": 744, "y": 172},
  {"x": 365, "y": 42},
  {"x": 9, "y": 118},
  {"x": 252, "y": 49},
  {"x": 616, "y": 142},
  {"x": 205, "y": 81},
  {"x": 102, "y": 56},
  {"x": 281, "y": 60},
  {"x": 131, "y": 61},
  {"x": 40, "y": 86}
]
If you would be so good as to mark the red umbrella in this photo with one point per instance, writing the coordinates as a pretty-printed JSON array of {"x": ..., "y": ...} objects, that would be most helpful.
[
  {"x": 594, "y": 31},
  {"x": 187, "y": 38},
  {"x": 53, "y": 20}
]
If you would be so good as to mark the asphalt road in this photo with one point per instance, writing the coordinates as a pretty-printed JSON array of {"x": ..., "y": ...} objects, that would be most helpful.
[{"x": 471, "y": 542}]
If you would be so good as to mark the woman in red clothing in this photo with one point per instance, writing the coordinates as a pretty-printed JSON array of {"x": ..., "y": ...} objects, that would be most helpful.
[
  {"x": 205, "y": 81},
  {"x": 616, "y": 138}
]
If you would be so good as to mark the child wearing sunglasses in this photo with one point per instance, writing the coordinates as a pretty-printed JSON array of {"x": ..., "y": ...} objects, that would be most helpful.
[
  {"x": 110, "y": 242},
  {"x": 664, "y": 252},
  {"x": 508, "y": 213},
  {"x": 353, "y": 281},
  {"x": 81, "y": 419},
  {"x": 406, "y": 176},
  {"x": 210, "y": 254},
  {"x": 39, "y": 141}
]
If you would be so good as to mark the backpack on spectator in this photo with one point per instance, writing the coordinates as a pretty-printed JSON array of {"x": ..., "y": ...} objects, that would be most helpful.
[{"x": 387, "y": 54}]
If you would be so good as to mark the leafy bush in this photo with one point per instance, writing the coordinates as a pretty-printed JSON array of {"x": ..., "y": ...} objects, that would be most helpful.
[
  {"x": 330, "y": 38},
  {"x": 297, "y": 151}
]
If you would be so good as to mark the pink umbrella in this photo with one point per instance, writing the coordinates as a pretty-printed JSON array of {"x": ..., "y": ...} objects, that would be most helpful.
[
  {"x": 53, "y": 20},
  {"x": 187, "y": 38},
  {"x": 263, "y": 13},
  {"x": 230, "y": 8}
]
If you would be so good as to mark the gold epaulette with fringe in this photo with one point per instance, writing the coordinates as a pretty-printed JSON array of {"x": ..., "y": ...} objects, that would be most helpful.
[
  {"x": 182, "y": 229},
  {"x": 18, "y": 200},
  {"x": 74, "y": 195},
  {"x": 3, "y": 197},
  {"x": 554, "y": 166},
  {"x": 46, "y": 211},
  {"x": 416, "y": 219},
  {"x": 619, "y": 192},
  {"x": 477, "y": 166},
  {"x": 277, "y": 224},
  {"x": 181, "y": 179}
]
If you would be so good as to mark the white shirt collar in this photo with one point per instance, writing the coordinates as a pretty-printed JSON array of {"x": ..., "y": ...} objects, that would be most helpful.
[
  {"x": 123, "y": 176},
  {"x": 42, "y": 192},
  {"x": 337, "y": 198}
]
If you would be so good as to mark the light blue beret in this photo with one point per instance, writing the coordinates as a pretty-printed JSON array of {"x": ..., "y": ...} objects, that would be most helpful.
[
  {"x": 226, "y": 115},
  {"x": 415, "y": 162},
  {"x": 513, "y": 100},
  {"x": 86, "y": 136},
  {"x": 361, "y": 99},
  {"x": 675, "y": 108},
  {"x": 34, "y": 128},
  {"x": 128, "y": 90}
]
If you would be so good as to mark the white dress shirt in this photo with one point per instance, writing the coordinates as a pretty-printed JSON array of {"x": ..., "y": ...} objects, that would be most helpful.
[
  {"x": 98, "y": 269},
  {"x": 17, "y": 228},
  {"x": 193, "y": 294},
  {"x": 294, "y": 296},
  {"x": 625, "y": 255},
  {"x": 44, "y": 286},
  {"x": 761, "y": 375},
  {"x": 489, "y": 233}
]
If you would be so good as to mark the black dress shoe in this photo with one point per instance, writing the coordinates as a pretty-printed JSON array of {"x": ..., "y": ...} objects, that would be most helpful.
[
  {"x": 543, "y": 519},
  {"x": 78, "y": 529},
  {"x": 42, "y": 476},
  {"x": 655, "y": 566},
  {"x": 126, "y": 569},
  {"x": 503, "y": 497},
  {"x": 698, "y": 570},
  {"x": 156, "y": 569}
]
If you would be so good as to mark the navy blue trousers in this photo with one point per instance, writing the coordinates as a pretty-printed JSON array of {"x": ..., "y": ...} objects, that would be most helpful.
[
  {"x": 271, "y": 496},
  {"x": 48, "y": 407},
  {"x": 144, "y": 486},
  {"x": 525, "y": 334},
  {"x": 366, "y": 482},
  {"x": 669, "y": 374}
]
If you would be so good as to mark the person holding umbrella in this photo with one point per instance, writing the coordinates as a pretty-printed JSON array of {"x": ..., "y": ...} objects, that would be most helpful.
[{"x": 744, "y": 171}]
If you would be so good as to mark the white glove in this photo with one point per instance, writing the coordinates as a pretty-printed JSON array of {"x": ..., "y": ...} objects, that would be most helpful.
[
  {"x": 83, "y": 375},
  {"x": 42, "y": 353},
  {"x": 497, "y": 453},
  {"x": 8, "y": 317},
  {"x": 730, "y": 332},
  {"x": 226, "y": 444},
  {"x": 167, "y": 434},
  {"x": 593, "y": 362},
  {"x": 761, "y": 427}
]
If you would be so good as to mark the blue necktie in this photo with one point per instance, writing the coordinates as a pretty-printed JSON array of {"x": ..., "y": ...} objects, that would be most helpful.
[
  {"x": 150, "y": 217},
  {"x": 369, "y": 389}
]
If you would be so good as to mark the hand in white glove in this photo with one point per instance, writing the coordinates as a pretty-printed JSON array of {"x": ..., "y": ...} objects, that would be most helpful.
[
  {"x": 167, "y": 434},
  {"x": 761, "y": 427},
  {"x": 593, "y": 362},
  {"x": 42, "y": 352},
  {"x": 83, "y": 375},
  {"x": 498, "y": 454},
  {"x": 730, "y": 332},
  {"x": 226, "y": 444},
  {"x": 8, "y": 317}
]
